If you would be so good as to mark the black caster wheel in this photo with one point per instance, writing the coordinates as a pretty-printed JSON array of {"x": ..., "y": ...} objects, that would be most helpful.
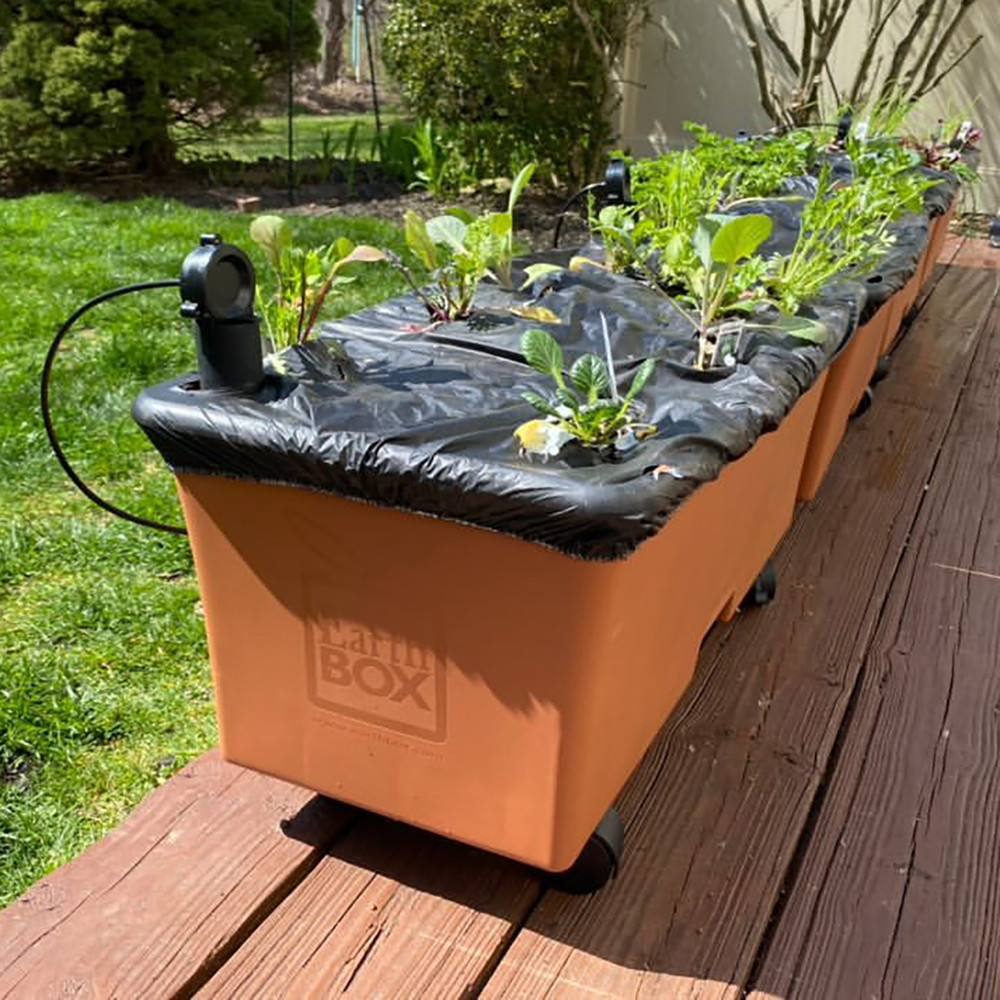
[
  {"x": 881, "y": 370},
  {"x": 864, "y": 406},
  {"x": 764, "y": 588},
  {"x": 598, "y": 862}
]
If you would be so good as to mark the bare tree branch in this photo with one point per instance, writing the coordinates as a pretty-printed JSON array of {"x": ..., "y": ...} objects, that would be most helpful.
[
  {"x": 899, "y": 58},
  {"x": 878, "y": 22},
  {"x": 914, "y": 63},
  {"x": 777, "y": 38},
  {"x": 757, "y": 54},
  {"x": 954, "y": 64},
  {"x": 809, "y": 29},
  {"x": 928, "y": 47},
  {"x": 946, "y": 36}
]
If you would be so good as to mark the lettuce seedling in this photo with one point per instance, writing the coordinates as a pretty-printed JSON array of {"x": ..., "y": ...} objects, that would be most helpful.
[
  {"x": 588, "y": 407},
  {"x": 727, "y": 280},
  {"x": 458, "y": 250},
  {"x": 305, "y": 279}
]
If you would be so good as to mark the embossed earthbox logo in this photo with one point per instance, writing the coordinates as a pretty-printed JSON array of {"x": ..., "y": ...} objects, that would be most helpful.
[{"x": 372, "y": 674}]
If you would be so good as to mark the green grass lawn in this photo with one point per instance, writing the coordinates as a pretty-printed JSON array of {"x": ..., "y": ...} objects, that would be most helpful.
[
  {"x": 104, "y": 681},
  {"x": 310, "y": 133}
]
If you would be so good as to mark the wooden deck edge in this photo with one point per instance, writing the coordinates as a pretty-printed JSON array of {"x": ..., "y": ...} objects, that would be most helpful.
[{"x": 111, "y": 922}]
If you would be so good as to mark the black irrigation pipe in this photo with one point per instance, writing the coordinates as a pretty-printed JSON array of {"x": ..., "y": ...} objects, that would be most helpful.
[{"x": 50, "y": 358}]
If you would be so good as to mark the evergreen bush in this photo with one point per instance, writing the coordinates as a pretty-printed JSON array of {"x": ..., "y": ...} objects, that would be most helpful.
[{"x": 89, "y": 81}]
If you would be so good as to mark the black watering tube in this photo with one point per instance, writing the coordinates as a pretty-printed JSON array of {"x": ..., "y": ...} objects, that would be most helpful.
[
  {"x": 617, "y": 187},
  {"x": 217, "y": 286},
  {"x": 57, "y": 450}
]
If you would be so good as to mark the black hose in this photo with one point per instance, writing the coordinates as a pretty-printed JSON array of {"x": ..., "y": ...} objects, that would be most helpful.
[
  {"x": 569, "y": 204},
  {"x": 47, "y": 415}
]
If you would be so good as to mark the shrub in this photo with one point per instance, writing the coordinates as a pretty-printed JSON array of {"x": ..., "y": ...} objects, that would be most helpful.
[
  {"x": 88, "y": 81},
  {"x": 518, "y": 80}
]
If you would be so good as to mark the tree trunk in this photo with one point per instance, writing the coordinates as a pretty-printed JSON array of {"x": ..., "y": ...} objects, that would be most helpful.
[{"x": 332, "y": 22}]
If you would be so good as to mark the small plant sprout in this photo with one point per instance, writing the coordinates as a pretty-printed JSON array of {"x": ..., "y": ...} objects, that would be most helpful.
[
  {"x": 305, "y": 279},
  {"x": 724, "y": 279},
  {"x": 587, "y": 407},
  {"x": 727, "y": 279},
  {"x": 459, "y": 250}
]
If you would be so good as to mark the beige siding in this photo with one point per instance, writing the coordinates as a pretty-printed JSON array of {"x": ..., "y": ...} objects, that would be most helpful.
[{"x": 692, "y": 63}]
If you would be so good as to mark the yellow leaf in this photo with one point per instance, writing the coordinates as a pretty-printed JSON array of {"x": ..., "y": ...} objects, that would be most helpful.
[
  {"x": 540, "y": 314},
  {"x": 541, "y": 437},
  {"x": 578, "y": 263}
]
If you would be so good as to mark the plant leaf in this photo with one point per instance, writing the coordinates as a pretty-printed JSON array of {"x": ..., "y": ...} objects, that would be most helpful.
[
  {"x": 540, "y": 403},
  {"x": 800, "y": 327},
  {"x": 543, "y": 353},
  {"x": 567, "y": 397},
  {"x": 703, "y": 237},
  {"x": 273, "y": 235},
  {"x": 590, "y": 376},
  {"x": 579, "y": 262},
  {"x": 518, "y": 185},
  {"x": 419, "y": 241},
  {"x": 461, "y": 213},
  {"x": 536, "y": 271},
  {"x": 364, "y": 254},
  {"x": 500, "y": 223},
  {"x": 640, "y": 379},
  {"x": 673, "y": 252},
  {"x": 540, "y": 314},
  {"x": 448, "y": 230},
  {"x": 740, "y": 237},
  {"x": 342, "y": 247}
]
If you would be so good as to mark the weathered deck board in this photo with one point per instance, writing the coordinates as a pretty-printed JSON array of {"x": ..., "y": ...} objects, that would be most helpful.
[
  {"x": 896, "y": 895},
  {"x": 717, "y": 807},
  {"x": 155, "y": 905},
  {"x": 392, "y": 912}
]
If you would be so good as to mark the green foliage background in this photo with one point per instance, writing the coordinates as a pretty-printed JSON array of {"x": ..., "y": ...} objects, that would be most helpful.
[
  {"x": 519, "y": 80},
  {"x": 87, "y": 81}
]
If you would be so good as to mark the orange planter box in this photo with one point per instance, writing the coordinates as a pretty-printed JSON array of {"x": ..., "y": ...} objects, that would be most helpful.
[
  {"x": 905, "y": 299},
  {"x": 761, "y": 490},
  {"x": 848, "y": 378},
  {"x": 940, "y": 227},
  {"x": 473, "y": 684}
]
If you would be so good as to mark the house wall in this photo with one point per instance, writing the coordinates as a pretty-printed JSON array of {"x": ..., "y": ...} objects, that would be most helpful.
[{"x": 692, "y": 63}]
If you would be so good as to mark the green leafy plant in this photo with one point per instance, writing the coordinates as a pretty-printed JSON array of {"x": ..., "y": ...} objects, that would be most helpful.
[
  {"x": 90, "y": 83},
  {"x": 844, "y": 229},
  {"x": 459, "y": 250},
  {"x": 434, "y": 163},
  {"x": 728, "y": 279},
  {"x": 726, "y": 274},
  {"x": 503, "y": 255},
  {"x": 396, "y": 152},
  {"x": 754, "y": 167},
  {"x": 305, "y": 278},
  {"x": 586, "y": 407},
  {"x": 623, "y": 235}
]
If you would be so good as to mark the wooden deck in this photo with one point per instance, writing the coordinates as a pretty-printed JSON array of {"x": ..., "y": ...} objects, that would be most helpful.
[{"x": 820, "y": 817}]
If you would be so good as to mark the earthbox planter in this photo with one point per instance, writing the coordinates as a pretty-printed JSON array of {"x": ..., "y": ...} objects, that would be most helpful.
[
  {"x": 940, "y": 227},
  {"x": 847, "y": 380},
  {"x": 760, "y": 490},
  {"x": 480, "y": 686},
  {"x": 407, "y": 614},
  {"x": 904, "y": 300}
]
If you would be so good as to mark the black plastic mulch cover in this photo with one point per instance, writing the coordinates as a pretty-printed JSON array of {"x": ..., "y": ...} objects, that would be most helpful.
[{"x": 386, "y": 410}]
